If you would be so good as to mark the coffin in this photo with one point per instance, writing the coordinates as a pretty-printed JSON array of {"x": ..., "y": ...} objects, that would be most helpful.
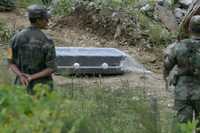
[{"x": 76, "y": 60}]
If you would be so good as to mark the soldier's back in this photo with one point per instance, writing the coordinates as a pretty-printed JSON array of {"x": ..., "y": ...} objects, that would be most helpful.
[
  {"x": 30, "y": 45},
  {"x": 188, "y": 67}
]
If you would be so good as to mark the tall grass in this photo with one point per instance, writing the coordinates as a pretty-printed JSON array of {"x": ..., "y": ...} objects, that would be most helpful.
[
  {"x": 64, "y": 7},
  {"x": 156, "y": 32},
  {"x": 26, "y": 3},
  {"x": 77, "y": 109},
  {"x": 6, "y": 32}
]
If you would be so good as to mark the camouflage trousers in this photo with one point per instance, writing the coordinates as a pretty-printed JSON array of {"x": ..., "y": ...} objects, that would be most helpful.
[{"x": 187, "y": 110}]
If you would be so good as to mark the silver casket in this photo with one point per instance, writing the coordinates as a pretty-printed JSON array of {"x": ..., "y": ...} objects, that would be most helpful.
[{"x": 76, "y": 60}]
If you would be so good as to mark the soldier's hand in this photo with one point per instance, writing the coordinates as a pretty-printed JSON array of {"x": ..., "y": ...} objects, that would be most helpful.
[
  {"x": 24, "y": 81},
  {"x": 28, "y": 76}
]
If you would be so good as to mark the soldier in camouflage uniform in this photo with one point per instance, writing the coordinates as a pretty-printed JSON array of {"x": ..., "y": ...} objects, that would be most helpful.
[
  {"x": 185, "y": 57},
  {"x": 31, "y": 53}
]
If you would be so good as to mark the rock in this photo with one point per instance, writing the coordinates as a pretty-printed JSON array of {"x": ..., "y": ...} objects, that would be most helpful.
[
  {"x": 165, "y": 3},
  {"x": 161, "y": 2},
  {"x": 118, "y": 32},
  {"x": 185, "y": 3},
  {"x": 167, "y": 17},
  {"x": 147, "y": 7},
  {"x": 153, "y": 60},
  {"x": 7, "y": 5},
  {"x": 179, "y": 14}
]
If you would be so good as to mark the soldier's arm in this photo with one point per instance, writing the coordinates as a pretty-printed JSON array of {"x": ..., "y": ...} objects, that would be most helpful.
[
  {"x": 15, "y": 69},
  {"x": 44, "y": 73},
  {"x": 22, "y": 77},
  {"x": 169, "y": 60},
  {"x": 11, "y": 57},
  {"x": 11, "y": 63},
  {"x": 169, "y": 63}
]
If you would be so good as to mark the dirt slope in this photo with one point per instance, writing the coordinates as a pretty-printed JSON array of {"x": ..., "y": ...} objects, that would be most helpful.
[{"x": 73, "y": 36}]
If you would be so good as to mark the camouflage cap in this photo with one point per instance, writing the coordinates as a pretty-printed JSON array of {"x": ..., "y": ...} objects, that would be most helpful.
[
  {"x": 38, "y": 11},
  {"x": 194, "y": 25}
]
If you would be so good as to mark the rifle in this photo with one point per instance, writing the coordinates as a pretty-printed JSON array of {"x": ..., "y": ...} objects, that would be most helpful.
[{"x": 194, "y": 9}]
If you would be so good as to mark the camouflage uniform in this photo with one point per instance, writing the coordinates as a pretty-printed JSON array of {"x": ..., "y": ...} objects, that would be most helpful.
[
  {"x": 185, "y": 56},
  {"x": 33, "y": 52}
]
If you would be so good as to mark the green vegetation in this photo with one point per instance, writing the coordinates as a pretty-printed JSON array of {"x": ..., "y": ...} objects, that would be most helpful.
[
  {"x": 157, "y": 34},
  {"x": 188, "y": 127},
  {"x": 152, "y": 30},
  {"x": 26, "y": 3},
  {"x": 5, "y": 32},
  {"x": 64, "y": 7},
  {"x": 75, "y": 110}
]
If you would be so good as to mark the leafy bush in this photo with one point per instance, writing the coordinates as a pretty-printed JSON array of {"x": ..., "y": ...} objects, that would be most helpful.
[
  {"x": 76, "y": 109},
  {"x": 5, "y": 32},
  {"x": 156, "y": 33},
  {"x": 188, "y": 127},
  {"x": 63, "y": 7},
  {"x": 26, "y": 3}
]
